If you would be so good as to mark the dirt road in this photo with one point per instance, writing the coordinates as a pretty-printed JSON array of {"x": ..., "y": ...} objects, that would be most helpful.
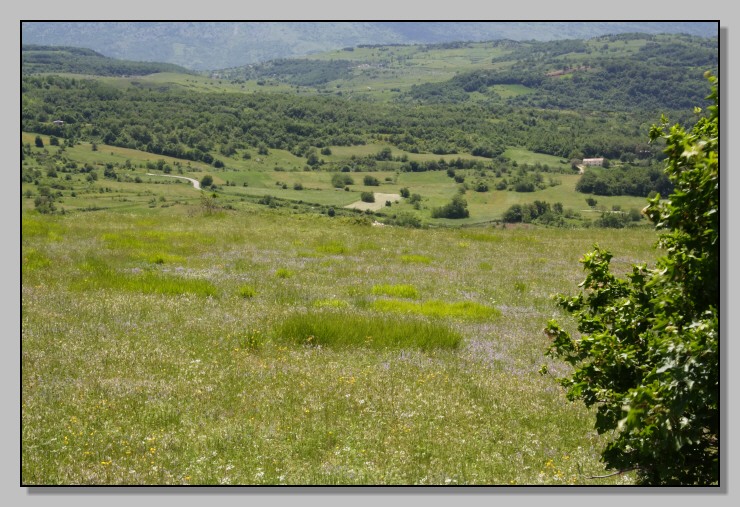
[{"x": 195, "y": 183}]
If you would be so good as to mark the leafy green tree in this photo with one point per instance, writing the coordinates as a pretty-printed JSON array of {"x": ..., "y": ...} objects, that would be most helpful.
[
  {"x": 206, "y": 181},
  {"x": 457, "y": 208},
  {"x": 341, "y": 180},
  {"x": 648, "y": 354}
]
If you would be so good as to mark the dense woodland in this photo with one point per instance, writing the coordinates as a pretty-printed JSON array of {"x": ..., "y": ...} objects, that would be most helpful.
[{"x": 189, "y": 125}]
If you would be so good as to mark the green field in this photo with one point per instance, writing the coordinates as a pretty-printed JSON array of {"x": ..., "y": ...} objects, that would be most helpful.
[
  {"x": 155, "y": 351},
  {"x": 264, "y": 330}
]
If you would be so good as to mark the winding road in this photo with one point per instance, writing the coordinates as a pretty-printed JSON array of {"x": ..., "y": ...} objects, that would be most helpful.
[{"x": 195, "y": 183}]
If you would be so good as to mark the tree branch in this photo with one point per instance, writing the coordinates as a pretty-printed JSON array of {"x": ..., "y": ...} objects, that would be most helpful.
[{"x": 618, "y": 472}]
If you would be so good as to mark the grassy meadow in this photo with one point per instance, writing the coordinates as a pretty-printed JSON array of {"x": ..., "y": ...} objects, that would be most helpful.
[
  {"x": 256, "y": 346},
  {"x": 264, "y": 331}
]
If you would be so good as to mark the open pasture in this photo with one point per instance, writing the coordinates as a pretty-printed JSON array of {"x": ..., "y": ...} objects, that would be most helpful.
[{"x": 257, "y": 347}]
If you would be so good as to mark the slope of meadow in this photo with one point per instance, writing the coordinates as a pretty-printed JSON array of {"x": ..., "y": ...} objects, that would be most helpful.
[{"x": 166, "y": 348}]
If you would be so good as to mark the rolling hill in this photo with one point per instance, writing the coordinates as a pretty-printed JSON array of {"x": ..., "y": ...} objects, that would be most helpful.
[{"x": 215, "y": 45}]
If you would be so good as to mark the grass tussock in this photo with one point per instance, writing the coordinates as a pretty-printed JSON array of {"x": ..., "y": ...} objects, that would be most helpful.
[
  {"x": 399, "y": 291},
  {"x": 284, "y": 273},
  {"x": 246, "y": 292},
  {"x": 332, "y": 248},
  {"x": 330, "y": 303},
  {"x": 416, "y": 259},
  {"x": 343, "y": 330},
  {"x": 462, "y": 310}
]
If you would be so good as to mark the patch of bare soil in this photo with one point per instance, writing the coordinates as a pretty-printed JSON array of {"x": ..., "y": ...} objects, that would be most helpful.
[{"x": 378, "y": 204}]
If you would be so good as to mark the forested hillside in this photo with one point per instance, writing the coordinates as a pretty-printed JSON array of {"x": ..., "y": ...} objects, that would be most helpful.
[
  {"x": 656, "y": 73},
  {"x": 190, "y": 124},
  {"x": 58, "y": 59}
]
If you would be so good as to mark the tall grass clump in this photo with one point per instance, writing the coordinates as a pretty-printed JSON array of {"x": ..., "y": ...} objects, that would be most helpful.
[
  {"x": 344, "y": 330},
  {"x": 246, "y": 292},
  {"x": 400, "y": 291},
  {"x": 331, "y": 248},
  {"x": 415, "y": 259},
  {"x": 284, "y": 273}
]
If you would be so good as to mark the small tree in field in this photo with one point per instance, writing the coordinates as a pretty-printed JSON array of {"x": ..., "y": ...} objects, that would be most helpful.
[
  {"x": 648, "y": 355},
  {"x": 206, "y": 181}
]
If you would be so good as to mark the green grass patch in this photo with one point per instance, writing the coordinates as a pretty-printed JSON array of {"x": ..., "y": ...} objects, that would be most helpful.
[
  {"x": 332, "y": 248},
  {"x": 399, "y": 291},
  {"x": 246, "y": 292},
  {"x": 30, "y": 227},
  {"x": 416, "y": 259},
  {"x": 165, "y": 258},
  {"x": 480, "y": 236},
  {"x": 33, "y": 260},
  {"x": 342, "y": 330},
  {"x": 284, "y": 273},
  {"x": 330, "y": 303},
  {"x": 434, "y": 308},
  {"x": 97, "y": 275}
]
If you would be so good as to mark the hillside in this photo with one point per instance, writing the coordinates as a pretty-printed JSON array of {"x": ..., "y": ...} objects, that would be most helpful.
[
  {"x": 62, "y": 59},
  {"x": 217, "y": 45},
  {"x": 629, "y": 72}
]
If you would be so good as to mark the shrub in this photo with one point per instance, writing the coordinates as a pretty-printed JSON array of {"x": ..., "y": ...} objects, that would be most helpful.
[
  {"x": 406, "y": 219},
  {"x": 341, "y": 180},
  {"x": 206, "y": 181},
  {"x": 44, "y": 204},
  {"x": 648, "y": 355},
  {"x": 457, "y": 208},
  {"x": 613, "y": 220}
]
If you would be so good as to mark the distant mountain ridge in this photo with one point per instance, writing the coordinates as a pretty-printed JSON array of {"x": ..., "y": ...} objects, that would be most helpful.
[
  {"x": 217, "y": 45},
  {"x": 86, "y": 61}
]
